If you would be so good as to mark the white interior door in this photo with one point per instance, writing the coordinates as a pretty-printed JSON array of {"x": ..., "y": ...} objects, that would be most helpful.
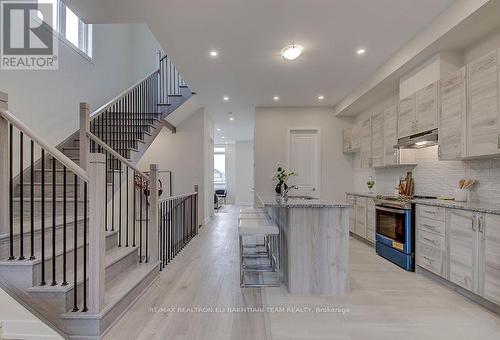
[{"x": 304, "y": 159}]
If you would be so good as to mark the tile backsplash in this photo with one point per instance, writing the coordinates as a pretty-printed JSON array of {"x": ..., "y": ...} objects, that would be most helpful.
[{"x": 434, "y": 177}]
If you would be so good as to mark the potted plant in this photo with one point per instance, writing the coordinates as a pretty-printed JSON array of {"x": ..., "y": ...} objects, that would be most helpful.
[{"x": 280, "y": 177}]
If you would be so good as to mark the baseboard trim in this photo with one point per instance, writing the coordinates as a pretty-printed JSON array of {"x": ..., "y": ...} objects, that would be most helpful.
[
  {"x": 27, "y": 330},
  {"x": 364, "y": 240}
]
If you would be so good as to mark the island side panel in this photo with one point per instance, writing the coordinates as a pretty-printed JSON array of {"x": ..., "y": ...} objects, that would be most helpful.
[
  {"x": 318, "y": 251},
  {"x": 280, "y": 217}
]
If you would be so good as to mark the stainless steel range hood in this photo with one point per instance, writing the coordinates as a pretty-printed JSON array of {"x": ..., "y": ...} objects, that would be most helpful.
[{"x": 418, "y": 141}]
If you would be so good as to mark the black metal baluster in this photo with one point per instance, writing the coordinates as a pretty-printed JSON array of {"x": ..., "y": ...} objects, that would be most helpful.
[
  {"x": 85, "y": 309},
  {"x": 140, "y": 221},
  {"x": 32, "y": 202},
  {"x": 112, "y": 194},
  {"x": 21, "y": 196},
  {"x": 127, "y": 211},
  {"x": 75, "y": 245},
  {"x": 11, "y": 194},
  {"x": 134, "y": 212},
  {"x": 147, "y": 222},
  {"x": 65, "y": 282},
  {"x": 54, "y": 282},
  {"x": 42, "y": 236},
  {"x": 120, "y": 207},
  {"x": 106, "y": 155}
]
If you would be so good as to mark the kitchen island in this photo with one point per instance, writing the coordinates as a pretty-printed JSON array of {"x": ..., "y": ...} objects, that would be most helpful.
[{"x": 314, "y": 243}]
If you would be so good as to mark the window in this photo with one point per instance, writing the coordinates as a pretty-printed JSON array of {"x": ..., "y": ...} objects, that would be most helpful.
[
  {"x": 219, "y": 168},
  {"x": 70, "y": 27}
]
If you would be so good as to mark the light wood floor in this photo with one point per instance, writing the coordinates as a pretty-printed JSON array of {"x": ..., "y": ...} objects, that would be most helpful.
[{"x": 385, "y": 302}]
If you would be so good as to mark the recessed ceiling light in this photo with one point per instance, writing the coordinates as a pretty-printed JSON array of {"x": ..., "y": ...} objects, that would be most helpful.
[
  {"x": 231, "y": 118},
  {"x": 223, "y": 137},
  {"x": 276, "y": 98},
  {"x": 214, "y": 53},
  {"x": 292, "y": 52},
  {"x": 360, "y": 51},
  {"x": 218, "y": 129},
  {"x": 226, "y": 98},
  {"x": 321, "y": 97}
]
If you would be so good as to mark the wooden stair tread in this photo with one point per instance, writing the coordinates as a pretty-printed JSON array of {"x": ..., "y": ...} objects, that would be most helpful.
[{"x": 112, "y": 256}]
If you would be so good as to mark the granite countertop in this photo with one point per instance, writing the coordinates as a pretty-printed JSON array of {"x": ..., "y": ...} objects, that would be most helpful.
[
  {"x": 483, "y": 207},
  {"x": 270, "y": 200}
]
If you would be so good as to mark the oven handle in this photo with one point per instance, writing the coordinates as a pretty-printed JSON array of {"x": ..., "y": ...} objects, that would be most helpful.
[{"x": 398, "y": 211}]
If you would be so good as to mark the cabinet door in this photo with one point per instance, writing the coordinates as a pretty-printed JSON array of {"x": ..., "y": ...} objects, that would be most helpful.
[
  {"x": 355, "y": 138},
  {"x": 406, "y": 117},
  {"x": 426, "y": 108},
  {"x": 361, "y": 217},
  {"x": 452, "y": 117},
  {"x": 347, "y": 140},
  {"x": 370, "y": 219},
  {"x": 390, "y": 132},
  {"x": 352, "y": 213},
  {"x": 366, "y": 143},
  {"x": 489, "y": 232},
  {"x": 483, "y": 114},
  {"x": 463, "y": 240},
  {"x": 377, "y": 139}
]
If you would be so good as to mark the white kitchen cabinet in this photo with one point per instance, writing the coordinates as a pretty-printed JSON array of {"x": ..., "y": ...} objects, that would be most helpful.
[
  {"x": 346, "y": 140},
  {"x": 366, "y": 141},
  {"x": 426, "y": 108},
  {"x": 370, "y": 220},
  {"x": 355, "y": 137},
  {"x": 483, "y": 121},
  {"x": 390, "y": 132},
  {"x": 377, "y": 142},
  {"x": 452, "y": 117},
  {"x": 462, "y": 248},
  {"x": 406, "y": 116},
  {"x": 352, "y": 213},
  {"x": 489, "y": 264},
  {"x": 360, "y": 217}
]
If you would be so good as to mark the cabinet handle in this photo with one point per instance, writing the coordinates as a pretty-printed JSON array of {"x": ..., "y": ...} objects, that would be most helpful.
[
  {"x": 428, "y": 259},
  {"x": 430, "y": 211},
  {"x": 480, "y": 224},
  {"x": 473, "y": 223},
  {"x": 499, "y": 141},
  {"x": 429, "y": 240},
  {"x": 429, "y": 226}
]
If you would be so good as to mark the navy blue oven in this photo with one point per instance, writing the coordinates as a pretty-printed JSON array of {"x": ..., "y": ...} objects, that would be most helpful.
[{"x": 395, "y": 232}]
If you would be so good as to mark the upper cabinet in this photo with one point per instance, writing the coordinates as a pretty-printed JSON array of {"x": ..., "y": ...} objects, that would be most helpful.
[
  {"x": 351, "y": 138},
  {"x": 483, "y": 121},
  {"x": 366, "y": 143},
  {"x": 390, "y": 132},
  {"x": 452, "y": 117},
  {"x": 406, "y": 119},
  {"x": 426, "y": 108},
  {"x": 377, "y": 143}
]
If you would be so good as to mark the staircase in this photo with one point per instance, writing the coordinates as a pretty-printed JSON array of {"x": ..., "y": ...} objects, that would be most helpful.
[{"x": 82, "y": 231}]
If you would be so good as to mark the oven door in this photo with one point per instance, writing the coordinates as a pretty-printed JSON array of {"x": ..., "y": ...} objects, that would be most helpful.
[{"x": 393, "y": 228}]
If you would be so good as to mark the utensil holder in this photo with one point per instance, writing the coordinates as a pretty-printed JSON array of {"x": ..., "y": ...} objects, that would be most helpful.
[{"x": 461, "y": 195}]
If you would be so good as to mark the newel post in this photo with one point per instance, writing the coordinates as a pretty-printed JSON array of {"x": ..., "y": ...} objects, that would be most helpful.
[
  {"x": 84, "y": 140},
  {"x": 97, "y": 246},
  {"x": 153, "y": 214},
  {"x": 4, "y": 167}
]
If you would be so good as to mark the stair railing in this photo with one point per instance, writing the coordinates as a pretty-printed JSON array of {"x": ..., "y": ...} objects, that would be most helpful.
[
  {"x": 178, "y": 224},
  {"x": 57, "y": 193}
]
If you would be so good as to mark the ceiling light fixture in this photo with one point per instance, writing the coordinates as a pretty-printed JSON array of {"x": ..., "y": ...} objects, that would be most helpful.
[
  {"x": 360, "y": 51},
  {"x": 223, "y": 137},
  {"x": 218, "y": 129},
  {"x": 231, "y": 118},
  {"x": 214, "y": 53},
  {"x": 226, "y": 98},
  {"x": 321, "y": 97},
  {"x": 276, "y": 98},
  {"x": 292, "y": 52}
]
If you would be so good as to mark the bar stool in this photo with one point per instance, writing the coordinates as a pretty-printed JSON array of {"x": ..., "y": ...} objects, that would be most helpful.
[{"x": 270, "y": 232}]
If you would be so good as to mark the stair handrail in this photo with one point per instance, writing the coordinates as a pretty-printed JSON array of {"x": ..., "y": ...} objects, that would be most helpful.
[
  {"x": 62, "y": 158},
  {"x": 104, "y": 107},
  {"x": 115, "y": 154},
  {"x": 177, "y": 196}
]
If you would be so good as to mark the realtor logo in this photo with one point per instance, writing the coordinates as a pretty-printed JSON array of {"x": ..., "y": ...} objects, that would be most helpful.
[{"x": 27, "y": 41}]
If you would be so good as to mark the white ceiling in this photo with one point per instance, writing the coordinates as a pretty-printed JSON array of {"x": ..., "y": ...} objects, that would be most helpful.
[{"x": 249, "y": 34}]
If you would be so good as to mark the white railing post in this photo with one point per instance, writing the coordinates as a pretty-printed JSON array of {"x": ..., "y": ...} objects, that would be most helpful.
[
  {"x": 84, "y": 140},
  {"x": 97, "y": 246},
  {"x": 4, "y": 167},
  {"x": 153, "y": 214}
]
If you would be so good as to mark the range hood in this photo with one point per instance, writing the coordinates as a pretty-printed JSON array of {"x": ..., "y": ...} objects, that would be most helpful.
[{"x": 418, "y": 141}]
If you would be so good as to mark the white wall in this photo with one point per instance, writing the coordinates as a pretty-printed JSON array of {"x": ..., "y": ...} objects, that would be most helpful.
[
  {"x": 208, "y": 167},
  {"x": 185, "y": 154},
  {"x": 244, "y": 172},
  {"x": 47, "y": 99},
  {"x": 271, "y": 128},
  {"x": 230, "y": 173}
]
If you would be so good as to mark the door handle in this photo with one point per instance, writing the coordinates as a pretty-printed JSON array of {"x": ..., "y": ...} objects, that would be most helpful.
[
  {"x": 480, "y": 224},
  {"x": 473, "y": 222}
]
